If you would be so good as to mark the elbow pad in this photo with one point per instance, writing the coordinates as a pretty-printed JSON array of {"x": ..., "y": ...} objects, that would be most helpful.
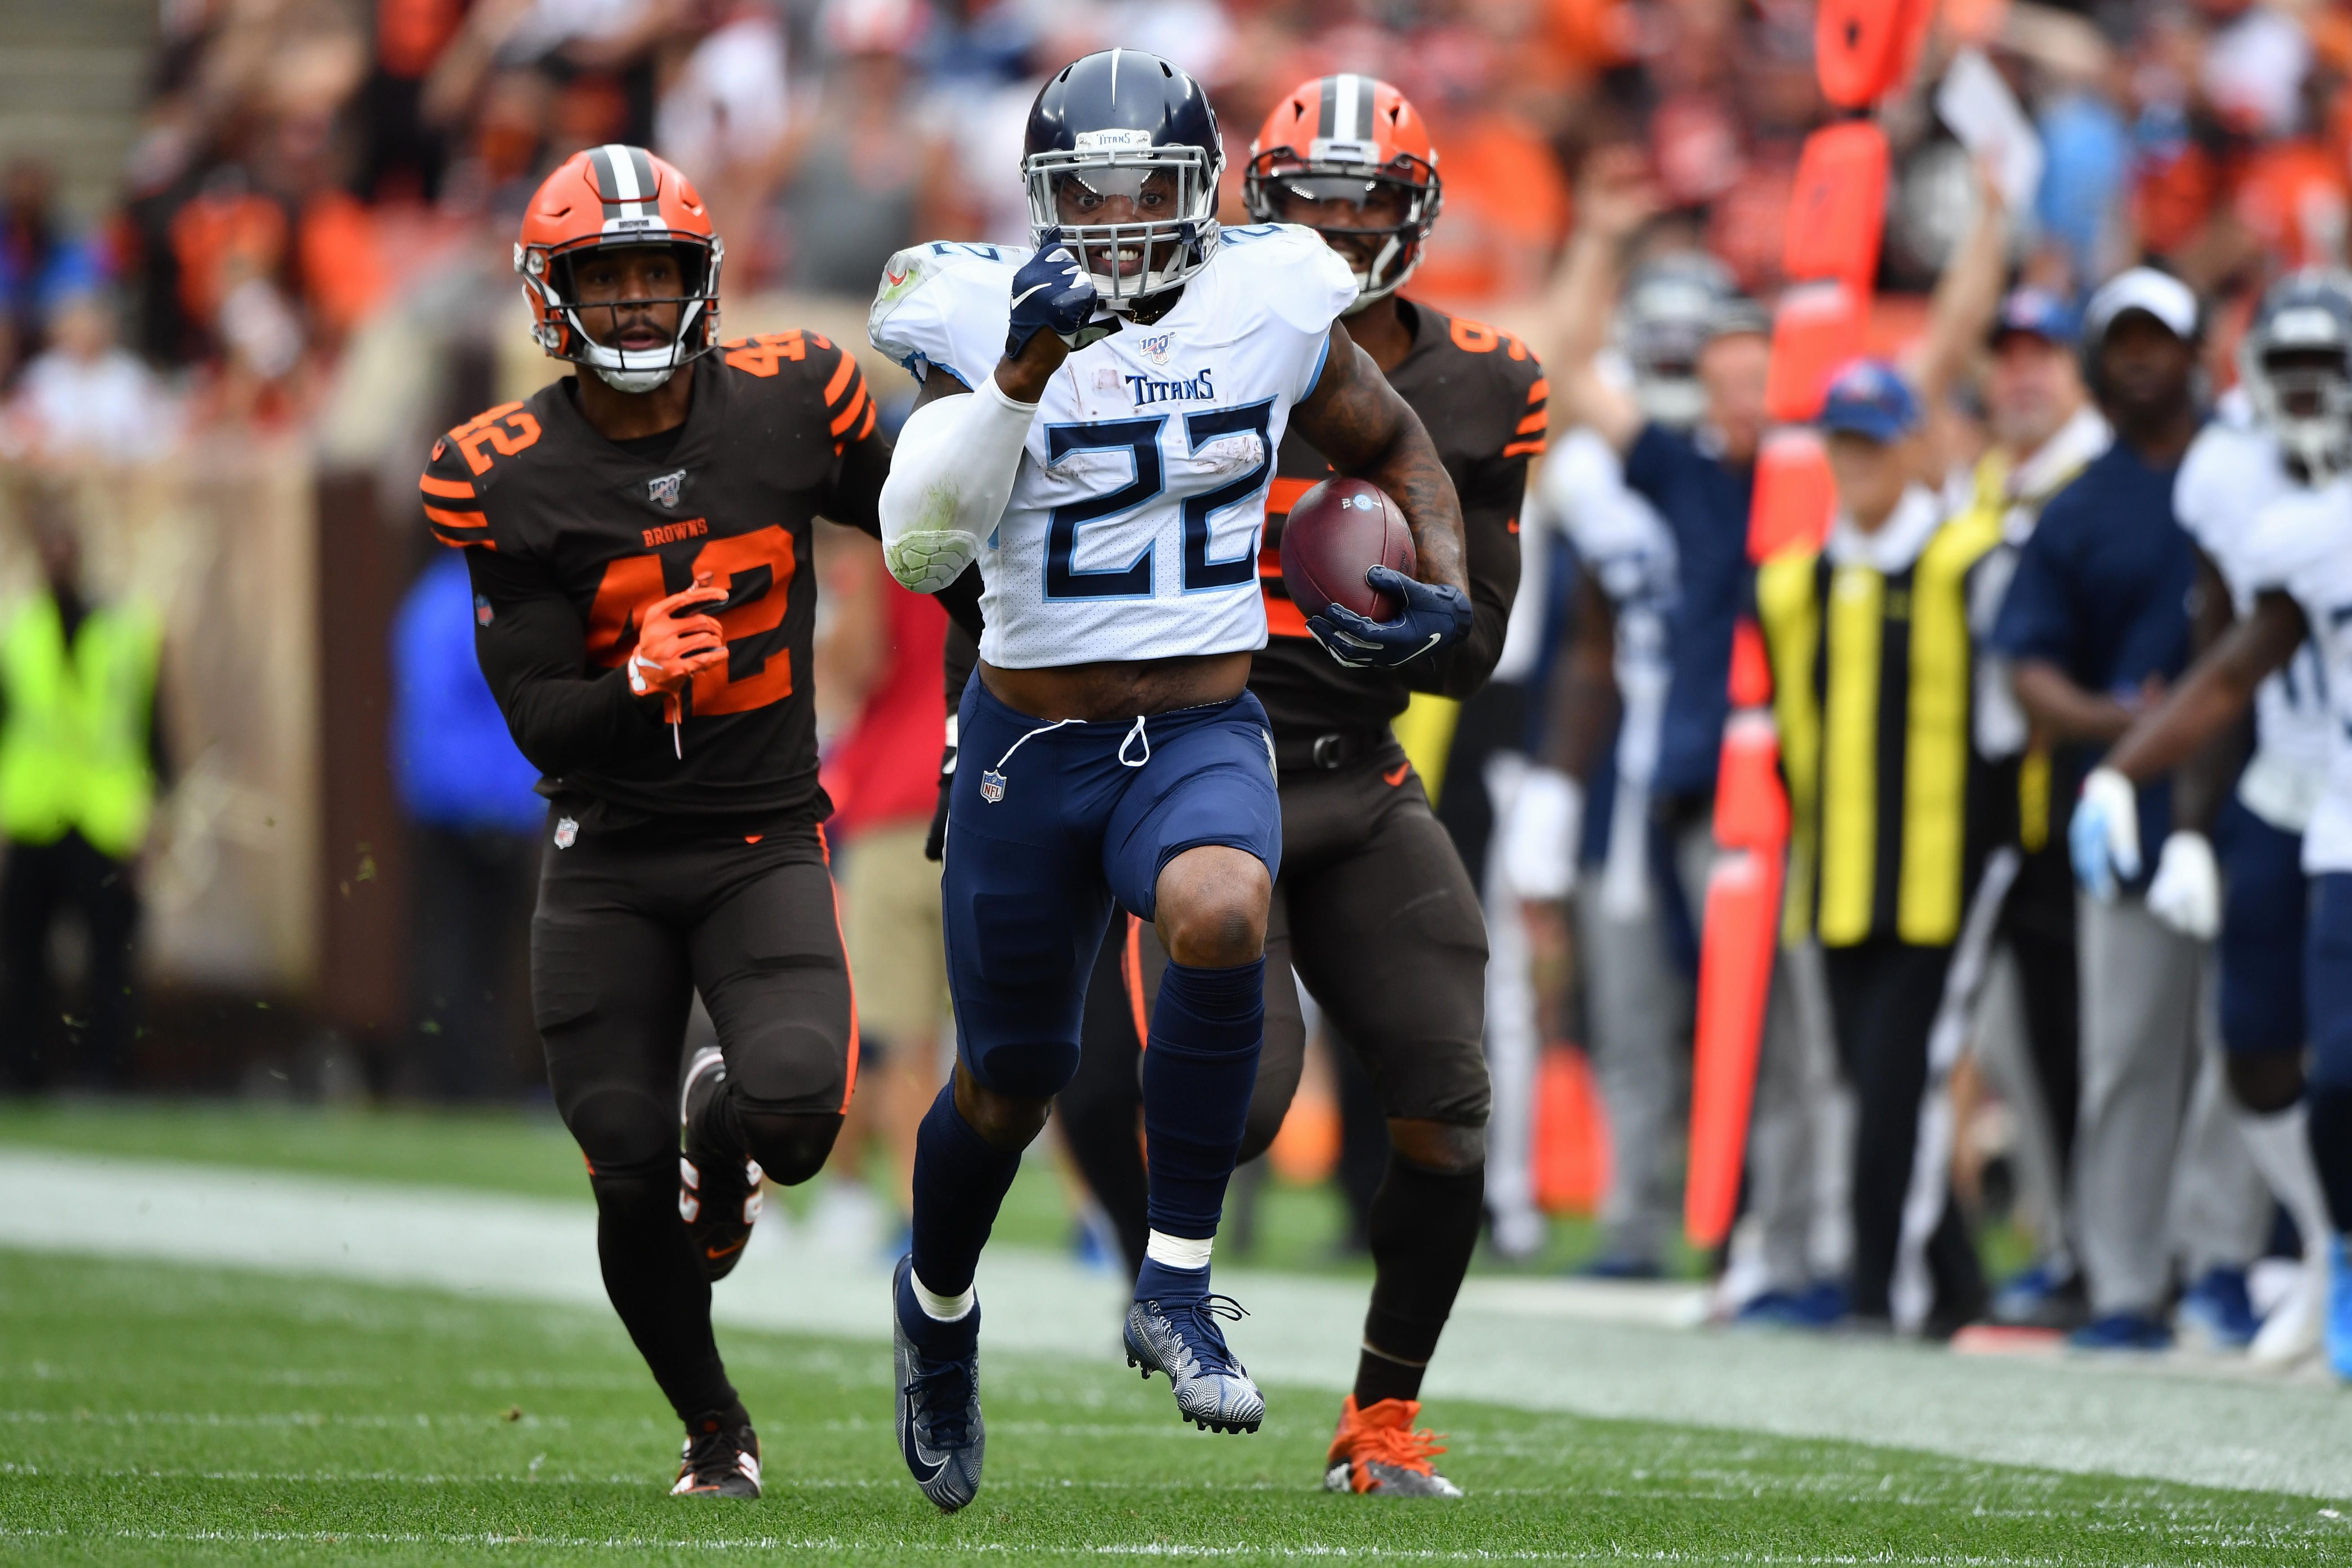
[{"x": 951, "y": 476}]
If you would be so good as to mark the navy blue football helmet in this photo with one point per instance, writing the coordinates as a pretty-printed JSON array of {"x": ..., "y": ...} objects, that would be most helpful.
[
  {"x": 1122, "y": 162},
  {"x": 2295, "y": 363}
]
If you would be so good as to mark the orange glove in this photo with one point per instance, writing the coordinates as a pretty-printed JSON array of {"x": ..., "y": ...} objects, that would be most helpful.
[{"x": 673, "y": 644}]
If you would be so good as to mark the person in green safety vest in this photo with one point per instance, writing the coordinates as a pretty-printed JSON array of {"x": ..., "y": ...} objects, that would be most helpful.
[{"x": 82, "y": 758}]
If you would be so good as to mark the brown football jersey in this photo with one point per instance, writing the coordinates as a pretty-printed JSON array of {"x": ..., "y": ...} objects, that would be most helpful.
[
  {"x": 1481, "y": 395},
  {"x": 571, "y": 536}
]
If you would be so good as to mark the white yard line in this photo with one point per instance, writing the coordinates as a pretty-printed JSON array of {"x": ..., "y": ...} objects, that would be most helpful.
[
  {"x": 830, "y": 1546},
  {"x": 1554, "y": 1345}
]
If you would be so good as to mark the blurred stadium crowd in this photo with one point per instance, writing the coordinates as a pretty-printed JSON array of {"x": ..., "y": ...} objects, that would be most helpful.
[{"x": 217, "y": 375}]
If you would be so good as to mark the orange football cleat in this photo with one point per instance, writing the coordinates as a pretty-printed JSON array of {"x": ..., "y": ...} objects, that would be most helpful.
[{"x": 1377, "y": 1451}]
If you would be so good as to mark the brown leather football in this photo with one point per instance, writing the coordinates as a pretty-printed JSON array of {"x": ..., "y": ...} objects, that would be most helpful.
[{"x": 1337, "y": 531}]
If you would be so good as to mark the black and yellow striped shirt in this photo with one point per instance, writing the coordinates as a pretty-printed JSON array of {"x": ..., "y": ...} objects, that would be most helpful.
[{"x": 1874, "y": 678}]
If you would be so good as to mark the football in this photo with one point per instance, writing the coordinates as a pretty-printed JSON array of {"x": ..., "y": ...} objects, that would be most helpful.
[{"x": 1337, "y": 531}]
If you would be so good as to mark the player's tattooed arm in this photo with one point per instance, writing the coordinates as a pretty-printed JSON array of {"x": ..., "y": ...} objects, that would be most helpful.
[
  {"x": 533, "y": 652},
  {"x": 1356, "y": 421}
]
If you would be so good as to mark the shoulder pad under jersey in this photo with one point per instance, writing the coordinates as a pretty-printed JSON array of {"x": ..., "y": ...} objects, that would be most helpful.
[
  {"x": 946, "y": 303},
  {"x": 2295, "y": 532},
  {"x": 1290, "y": 271}
]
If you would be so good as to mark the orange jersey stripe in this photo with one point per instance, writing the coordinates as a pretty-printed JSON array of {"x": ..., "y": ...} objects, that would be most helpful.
[
  {"x": 848, "y": 416},
  {"x": 841, "y": 378},
  {"x": 865, "y": 429},
  {"x": 1283, "y": 493},
  {"x": 1284, "y": 619},
  {"x": 456, "y": 519},
  {"x": 1540, "y": 391},
  {"x": 1533, "y": 425},
  {"x": 1524, "y": 448},
  {"x": 1131, "y": 970},
  {"x": 849, "y": 1079},
  {"x": 449, "y": 489}
]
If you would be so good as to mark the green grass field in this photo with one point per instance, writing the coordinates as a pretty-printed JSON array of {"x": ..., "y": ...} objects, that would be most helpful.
[{"x": 158, "y": 1414}]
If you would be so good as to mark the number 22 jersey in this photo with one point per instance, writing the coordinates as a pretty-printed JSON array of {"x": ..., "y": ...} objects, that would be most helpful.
[
  {"x": 1134, "y": 524},
  {"x": 571, "y": 537}
]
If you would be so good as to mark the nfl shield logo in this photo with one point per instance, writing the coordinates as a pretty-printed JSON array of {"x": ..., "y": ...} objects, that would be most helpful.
[
  {"x": 482, "y": 616},
  {"x": 991, "y": 785},
  {"x": 663, "y": 492},
  {"x": 567, "y": 832}
]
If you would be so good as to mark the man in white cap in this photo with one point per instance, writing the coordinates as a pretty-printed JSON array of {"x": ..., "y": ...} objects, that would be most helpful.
[{"x": 2095, "y": 626}]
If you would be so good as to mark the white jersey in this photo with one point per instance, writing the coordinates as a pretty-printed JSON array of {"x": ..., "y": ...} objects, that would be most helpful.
[
  {"x": 2233, "y": 471},
  {"x": 2303, "y": 543},
  {"x": 1133, "y": 527},
  {"x": 1630, "y": 551}
]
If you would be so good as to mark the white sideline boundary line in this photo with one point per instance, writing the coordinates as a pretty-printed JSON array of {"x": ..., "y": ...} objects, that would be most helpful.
[{"x": 1534, "y": 1345}]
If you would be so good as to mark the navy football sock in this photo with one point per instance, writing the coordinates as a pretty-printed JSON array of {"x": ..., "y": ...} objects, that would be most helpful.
[
  {"x": 1198, "y": 1072},
  {"x": 2330, "y": 1131},
  {"x": 1158, "y": 1281},
  {"x": 959, "y": 1183}
]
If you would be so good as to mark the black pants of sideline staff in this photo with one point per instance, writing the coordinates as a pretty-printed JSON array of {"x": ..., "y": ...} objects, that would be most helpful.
[
  {"x": 1883, "y": 997},
  {"x": 41, "y": 1040}
]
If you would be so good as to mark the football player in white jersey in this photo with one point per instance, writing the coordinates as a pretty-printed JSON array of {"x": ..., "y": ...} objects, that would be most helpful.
[
  {"x": 2295, "y": 562},
  {"x": 1096, "y": 433},
  {"x": 1609, "y": 684},
  {"x": 2253, "y": 897}
]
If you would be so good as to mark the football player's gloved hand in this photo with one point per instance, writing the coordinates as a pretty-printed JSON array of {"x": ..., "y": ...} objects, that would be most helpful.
[
  {"x": 2186, "y": 891},
  {"x": 674, "y": 643},
  {"x": 1433, "y": 614},
  {"x": 1541, "y": 833},
  {"x": 2105, "y": 836},
  {"x": 1053, "y": 293}
]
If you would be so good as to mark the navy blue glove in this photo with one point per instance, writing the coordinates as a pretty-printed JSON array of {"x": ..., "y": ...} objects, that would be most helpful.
[
  {"x": 1434, "y": 615},
  {"x": 1053, "y": 293}
]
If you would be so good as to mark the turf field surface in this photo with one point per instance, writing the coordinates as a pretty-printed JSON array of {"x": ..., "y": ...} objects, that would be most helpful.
[{"x": 165, "y": 1413}]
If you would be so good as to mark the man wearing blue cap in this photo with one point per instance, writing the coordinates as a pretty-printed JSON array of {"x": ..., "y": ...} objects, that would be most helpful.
[
  {"x": 1872, "y": 687},
  {"x": 2094, "y": 625}
]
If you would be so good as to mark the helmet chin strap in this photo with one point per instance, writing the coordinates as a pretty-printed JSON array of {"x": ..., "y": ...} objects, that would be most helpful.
[{"x": 1370, "y": 290}]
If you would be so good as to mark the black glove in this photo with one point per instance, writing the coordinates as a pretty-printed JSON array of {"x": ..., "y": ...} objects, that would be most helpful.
[
  {"x": 1053, "y": 293},
  {"x": 1433, "y": 615}
]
